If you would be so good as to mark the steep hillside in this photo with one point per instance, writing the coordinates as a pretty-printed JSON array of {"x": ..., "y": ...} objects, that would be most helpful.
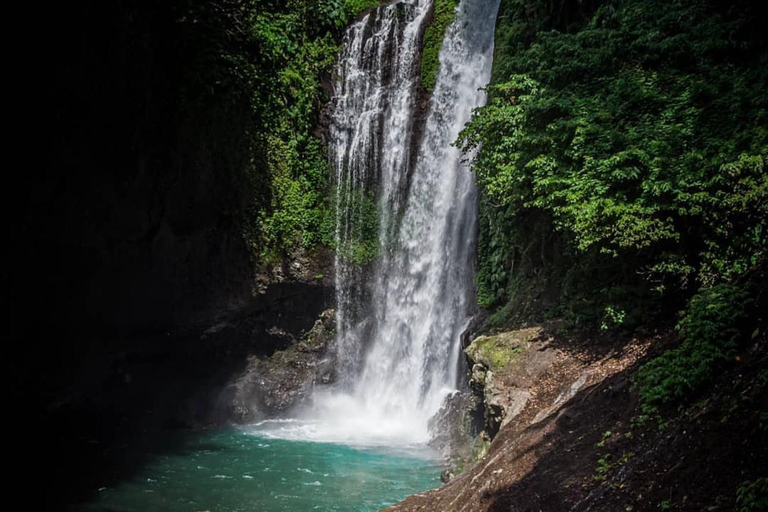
[
  {"x": 623, "y": 158},
  {"x": 573, "y": 435}
]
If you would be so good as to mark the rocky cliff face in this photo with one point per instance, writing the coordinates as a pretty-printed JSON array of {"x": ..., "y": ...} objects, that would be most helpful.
[
  {"x": 570, "y": 435},
  {"x": 130, "y": 221},
  {"x": 129, "y": 264}
]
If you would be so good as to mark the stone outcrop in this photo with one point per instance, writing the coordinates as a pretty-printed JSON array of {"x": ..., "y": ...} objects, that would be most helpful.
[
  {"x": 269, "y": 386},
  {"x": 505, "y": 366},
  {"x": 455, "y": 429},
  {"x": 502, "y": 369},
  {"x": 582, "y": 444}
]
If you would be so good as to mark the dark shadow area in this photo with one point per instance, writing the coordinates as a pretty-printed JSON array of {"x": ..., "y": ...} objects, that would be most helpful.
[
  {"x": 121, "y": 410},
  {"x": 102, "y": 415},
  {"x": 130, "y": 285},
  {"x": 127, "y": 243}
]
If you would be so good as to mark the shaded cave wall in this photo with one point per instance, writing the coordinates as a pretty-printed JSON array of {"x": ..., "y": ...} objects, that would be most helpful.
[
  {"x": 127, "y": 242},
  {"x": 131, "y": 223}
]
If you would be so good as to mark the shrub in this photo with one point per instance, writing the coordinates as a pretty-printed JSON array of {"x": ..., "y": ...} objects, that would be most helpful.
[
  {"x": 709, "y": 333},
  {"x": 753, "y": 496},
  {"x": 355, "y": 7}
]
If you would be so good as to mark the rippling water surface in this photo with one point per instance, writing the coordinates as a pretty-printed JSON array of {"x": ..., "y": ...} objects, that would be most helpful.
[{"x": 250, "y": 470}]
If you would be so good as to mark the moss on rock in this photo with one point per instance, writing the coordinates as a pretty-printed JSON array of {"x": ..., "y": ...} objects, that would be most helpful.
[
  {"x": 498, "y": 351},
  {"x": 445, "y": 13},
  {"x": 355, "y": 7}
]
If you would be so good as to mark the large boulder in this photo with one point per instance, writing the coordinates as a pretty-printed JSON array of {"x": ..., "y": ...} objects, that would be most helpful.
[
  {"x": 271, "y": 386},
  {"x": 505, "y": 365}
]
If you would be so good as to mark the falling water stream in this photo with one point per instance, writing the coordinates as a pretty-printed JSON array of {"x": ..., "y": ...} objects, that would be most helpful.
[
  {"x": 399, "y": 319},
  {"x": 398, "y": 329}
]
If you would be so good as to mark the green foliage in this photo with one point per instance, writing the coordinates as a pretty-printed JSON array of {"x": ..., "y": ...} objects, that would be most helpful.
[
  {"x": 445, "y": 13},
  {"x": 709, "y": 331},
  {"x": 284, "y": 49},
  {"x": 753, "y": 496},
  {"x": 605, "y": 437},
  {"x": 362, "y": 217},
  {"x": 355, "y": 7},
  {"x": 297, "y": 45},
  {"x": 298, "y": 182},
  {"x": 604, "y": 466},
  {"x": 494, "y": 254},
  {"x": 613, "y": 317},
  {"x": 640, "y": 131}
]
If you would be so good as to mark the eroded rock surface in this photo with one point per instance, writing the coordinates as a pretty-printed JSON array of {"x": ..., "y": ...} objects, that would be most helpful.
[
  {"x": 533, "y": 382},
  {"x": 505, "y": 366},
  {"x": 454, "y": 429},
  {"x": 271, "y": 385}
]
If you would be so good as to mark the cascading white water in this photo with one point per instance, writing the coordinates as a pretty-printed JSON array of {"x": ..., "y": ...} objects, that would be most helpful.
[
  {"x": 370, "y": 138},
  {"x": 398, "y": 331}
]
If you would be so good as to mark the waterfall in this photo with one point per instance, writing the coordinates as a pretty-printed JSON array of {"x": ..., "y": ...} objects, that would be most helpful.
[
  {"x": 400, "y": 318},
  {"x": 398, "y": 335},
  {"x": 370, "y": 138}
]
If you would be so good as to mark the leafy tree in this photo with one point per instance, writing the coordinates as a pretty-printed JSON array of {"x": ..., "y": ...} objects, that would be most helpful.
[
  {"x": 277, "y": 54},
  {"x": 639, "y": 128}
]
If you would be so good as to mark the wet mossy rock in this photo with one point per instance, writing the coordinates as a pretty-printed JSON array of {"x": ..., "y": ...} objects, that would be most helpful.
[
  {"x": 481, "y": 447},
  {"x": 497, "y": 351},
  {"x": 270, "y": 386},
  {"x": 443, "y": 15},
  {"x": 504, "y": 366}
]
